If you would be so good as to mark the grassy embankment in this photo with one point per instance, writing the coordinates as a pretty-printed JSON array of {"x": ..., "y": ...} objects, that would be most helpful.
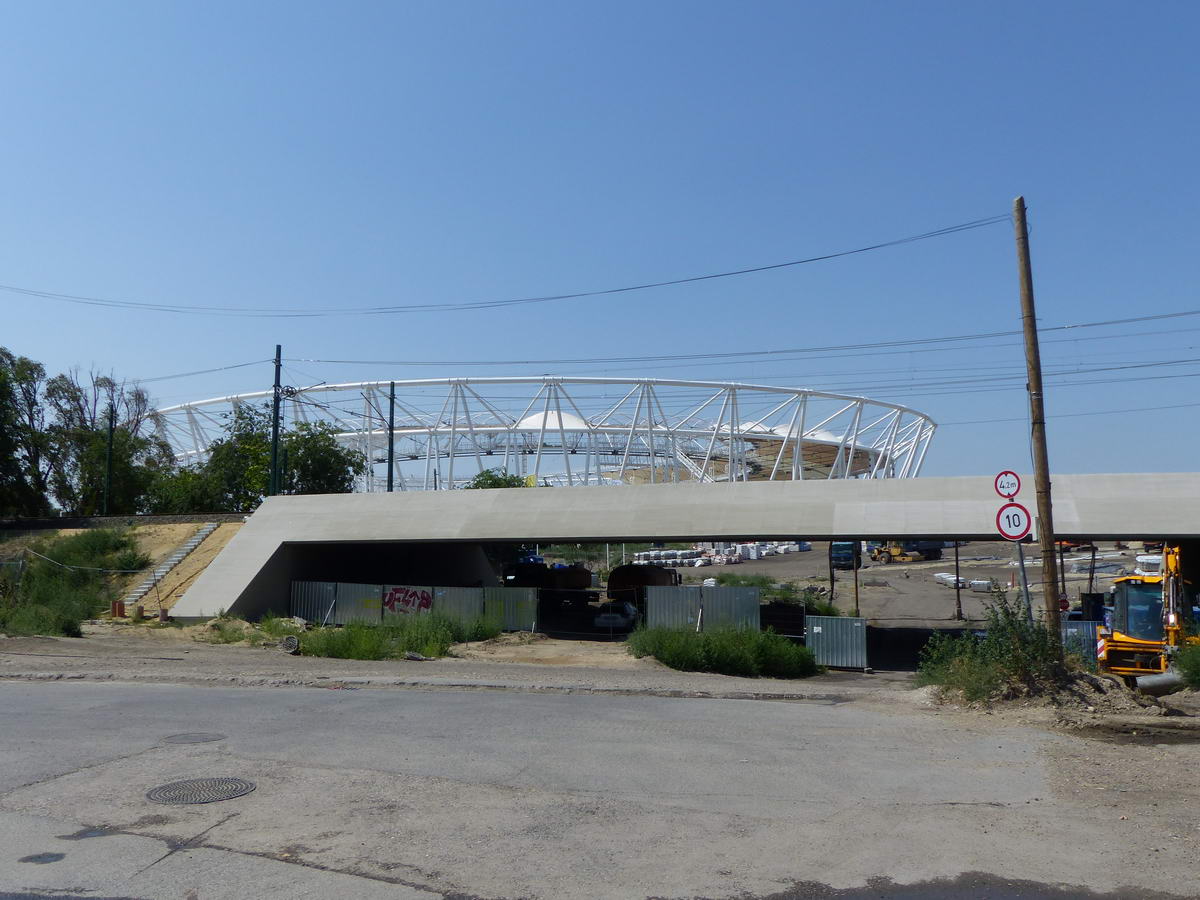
[{"x": 75, "y": 582}]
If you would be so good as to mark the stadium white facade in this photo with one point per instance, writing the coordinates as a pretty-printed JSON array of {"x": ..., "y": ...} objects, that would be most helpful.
[{"x": 572, "y": 431}]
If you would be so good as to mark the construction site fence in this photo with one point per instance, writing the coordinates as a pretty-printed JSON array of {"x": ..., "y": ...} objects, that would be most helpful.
[
  {"x": 702, "y": 608},
  {"x": 341, "y": 603},
  {"x": 839, "y": 642},
  {"x": 1080, "y": 638}
]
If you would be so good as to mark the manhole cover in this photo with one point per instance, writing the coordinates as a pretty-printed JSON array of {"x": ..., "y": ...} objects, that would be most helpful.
[
  {"x": 200, "y": 790},
  {"x": 198, "y": 737}
]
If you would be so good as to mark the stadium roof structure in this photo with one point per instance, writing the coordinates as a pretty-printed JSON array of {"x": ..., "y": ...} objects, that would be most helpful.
[{"x": 575, "y": 431}]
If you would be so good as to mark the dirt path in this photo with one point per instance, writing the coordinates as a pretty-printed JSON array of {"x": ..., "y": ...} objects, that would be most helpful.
[{"x": 538, "y": 649}]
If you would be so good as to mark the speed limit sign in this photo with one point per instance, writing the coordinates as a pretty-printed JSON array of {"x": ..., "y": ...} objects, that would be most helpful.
[{"x": 1013, "y": 522}]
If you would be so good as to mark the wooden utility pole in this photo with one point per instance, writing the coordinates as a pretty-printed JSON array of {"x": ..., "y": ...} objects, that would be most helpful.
[
  {"x": 1037, "y": 422},
  {"x": 854, "y": 562},
  {"x": 832, "y": 582},
  {"x": 957, "y": 585}
]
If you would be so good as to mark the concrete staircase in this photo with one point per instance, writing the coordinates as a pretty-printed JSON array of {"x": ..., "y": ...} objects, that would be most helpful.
[{"x": 177, "y": 556}]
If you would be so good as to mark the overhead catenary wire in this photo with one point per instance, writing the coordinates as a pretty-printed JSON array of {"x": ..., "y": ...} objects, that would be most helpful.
[
  {"x": 300, "y": 312},
  {"x": 1074, "y": 415}
]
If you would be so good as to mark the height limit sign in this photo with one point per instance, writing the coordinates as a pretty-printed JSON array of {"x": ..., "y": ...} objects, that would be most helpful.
[{"x": 1012, "y": 519}]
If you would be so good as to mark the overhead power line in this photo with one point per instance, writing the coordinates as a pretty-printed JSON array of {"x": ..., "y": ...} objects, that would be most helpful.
[
  {"x": 255, "y": 362},
  {"x": 874, "y": 345},
  {"x": 299, "y": 312},
  {"x": 1076, "y": 415}
]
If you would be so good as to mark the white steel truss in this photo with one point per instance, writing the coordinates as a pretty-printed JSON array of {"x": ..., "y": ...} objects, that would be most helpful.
[{"x": 572, "y": 431}]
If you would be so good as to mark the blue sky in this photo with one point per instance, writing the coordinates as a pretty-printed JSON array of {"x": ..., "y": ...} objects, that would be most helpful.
[{"x": 298, "y": 155}]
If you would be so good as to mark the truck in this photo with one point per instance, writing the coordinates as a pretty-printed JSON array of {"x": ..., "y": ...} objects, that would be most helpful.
[
  {"x": 845, "y": 555},
  {"x": 1152, "y": 617}
]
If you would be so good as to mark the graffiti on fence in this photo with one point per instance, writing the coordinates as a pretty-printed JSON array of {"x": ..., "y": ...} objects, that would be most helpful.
[{"x": 403, "y": 598}]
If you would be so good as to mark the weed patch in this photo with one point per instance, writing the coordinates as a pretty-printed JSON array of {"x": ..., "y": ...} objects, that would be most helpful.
[
  {"x": 277, "y": 628},
  {"x": 429, "y": 635},
  {"x": 727, "y": 651},
  {"x": 228, "y": 631},
  {"x": 1188, "y": 662},
  {"x": 1014, "y": 657}
]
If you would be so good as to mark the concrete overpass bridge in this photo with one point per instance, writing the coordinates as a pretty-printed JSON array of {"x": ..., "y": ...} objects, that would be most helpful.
[{"x": 437, "y": 537}]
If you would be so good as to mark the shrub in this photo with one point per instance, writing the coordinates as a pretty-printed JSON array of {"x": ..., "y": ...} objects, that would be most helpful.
[
  {"x": 731, "y": 652},
  {"x": 130, "y": 561},
  {"x": 818, "y": 606},
  {"x": 1013, "y": 656},
  {"x": 37, "y": 618},
  {"x": 958, "y": 663},
  {"x": 727, "y": 651},
  {"x": 672, "y": 647},
  {"x": 479, "y": 630},
  {"x": 779, "y": 657},
  {"x": 354, "y": 641},
  {"x": 1188, "y": 662}
]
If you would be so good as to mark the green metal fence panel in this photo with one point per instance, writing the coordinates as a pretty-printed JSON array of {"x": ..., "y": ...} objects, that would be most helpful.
[
  {"x": 357, "y": 603},
  {"x": 729, "y": 606},
  {"x": 313, "y": 601},
  {"x": 459, "y": 603},
  {"x": 672, "y": 607},
  {"x": 514, "y": 608},
  {"x": 837, "y": 641}
]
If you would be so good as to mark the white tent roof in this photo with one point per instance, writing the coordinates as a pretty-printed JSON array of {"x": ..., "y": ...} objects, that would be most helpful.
[{"x": 553, "y": 419}]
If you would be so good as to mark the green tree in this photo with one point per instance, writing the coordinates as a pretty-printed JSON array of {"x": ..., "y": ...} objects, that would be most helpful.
[
  {"x": 23, "y": 485},
  {"x": 494, "y": 478},
  {"x": 238, "y": 464},
  {"x": 181, "y": 491},
  {"x": 316, "y": 463},
  {"x": 76, "y": 440},
  {"x": 54, "y": 441},
  {"x": 234, "y": 476}
]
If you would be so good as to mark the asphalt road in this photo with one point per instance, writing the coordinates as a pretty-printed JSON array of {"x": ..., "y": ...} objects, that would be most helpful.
[{"x": 412, "y": 794}]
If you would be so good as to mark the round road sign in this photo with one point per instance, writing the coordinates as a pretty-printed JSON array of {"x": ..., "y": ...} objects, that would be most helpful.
[
  {"x": 1013, "y": 522},
  {"x": 1008, "y": 484}
]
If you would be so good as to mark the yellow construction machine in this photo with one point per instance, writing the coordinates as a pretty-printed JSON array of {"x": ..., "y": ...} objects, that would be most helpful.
[
  {"x": 1152, "y": 616},
  {"x": 890, "y": 551}
]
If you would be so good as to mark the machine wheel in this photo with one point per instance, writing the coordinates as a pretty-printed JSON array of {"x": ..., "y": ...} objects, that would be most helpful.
[{"x": 885, "y": 558}]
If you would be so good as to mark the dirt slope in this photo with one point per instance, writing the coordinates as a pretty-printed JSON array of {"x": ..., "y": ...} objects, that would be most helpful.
[{"x": 179, "y": 579}]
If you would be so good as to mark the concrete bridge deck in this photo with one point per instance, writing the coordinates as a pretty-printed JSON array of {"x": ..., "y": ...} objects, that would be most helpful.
[{"x": 286, "y": 536}]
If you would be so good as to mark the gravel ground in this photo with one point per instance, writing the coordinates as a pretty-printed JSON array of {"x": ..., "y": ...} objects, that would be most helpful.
[{"x": 166, "y": 656}]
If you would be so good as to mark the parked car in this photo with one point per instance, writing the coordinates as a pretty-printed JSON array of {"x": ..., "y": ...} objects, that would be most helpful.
[{"x": 616, "y": 616}]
